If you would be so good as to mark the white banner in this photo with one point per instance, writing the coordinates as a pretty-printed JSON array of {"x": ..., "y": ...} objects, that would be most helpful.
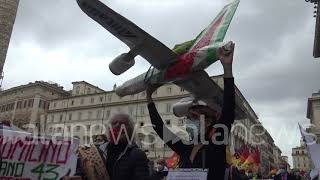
[
  {"x": 187, "y": 174},
  {"x": 25, "y": 157}
]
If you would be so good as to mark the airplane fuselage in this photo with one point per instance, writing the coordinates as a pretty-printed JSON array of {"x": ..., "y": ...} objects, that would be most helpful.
[{"x": 186, "y": 63}]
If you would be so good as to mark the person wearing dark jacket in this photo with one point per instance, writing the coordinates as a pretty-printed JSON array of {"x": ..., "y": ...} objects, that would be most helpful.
[
  {"x": 211, "y": 156},
  {"x": 283, "y": 174},
  {"x": 118, "y": 159}
]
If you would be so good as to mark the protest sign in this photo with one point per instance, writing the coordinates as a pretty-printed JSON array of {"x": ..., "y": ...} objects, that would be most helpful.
[
  {"x": 26, "y": 157},
  {"x": 187, "y": 174}
]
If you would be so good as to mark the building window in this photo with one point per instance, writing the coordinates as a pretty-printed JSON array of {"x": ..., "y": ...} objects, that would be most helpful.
[
  {"x": 101, "y": 98},
  {"x": 59, "y": 129},
  {"x": 72, "y": 102},
  {"x": 25, "y": 104},
  {"x": 55, "y": 104},
  {"x": 141, "y": 124},
  {"x": 79, "y": 115},
  {"x": 40, "y": 103},
  {"x": 78, "y": 128},
  {"x": 78, "y": 90},
  {"x": 89, "y": 115},
  {"x": 88, "y": 127},
  {"x": 169, "y": 89},
  {"x": 109, "y": 97},
  {"x": 297, "y": 152},
  {"x": 98, "y": 114},
  {"x": 30, "y": 103},
  {"x": 92, "y": 100},
  {"x": 97, "y": 128},
  {"x": 81, "y": 101},
  {"x": 130, "y": 110},
  {"x": 141, "y": 110},
  {"x": 89, "y": 91},
  {"x": 108, "y": 114},
  {"x": 181, "y": 89},
  {"x": 70, "y": 116},
  {"x": 168, "y": 122},
  {"x": 61, "y": 117},
  {"x": 302, "y": 152},
  {"x": 168, "y": 108}
]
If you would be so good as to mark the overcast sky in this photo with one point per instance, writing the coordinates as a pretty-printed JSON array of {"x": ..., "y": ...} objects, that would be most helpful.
[{"x": 274, "y": 69}]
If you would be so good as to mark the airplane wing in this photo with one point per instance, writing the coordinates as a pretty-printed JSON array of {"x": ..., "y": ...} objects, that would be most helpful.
[
  {"x": 217, "y": 30},
  {"x": 156, "y": 53},
  {"x": 202, "y": 87}
]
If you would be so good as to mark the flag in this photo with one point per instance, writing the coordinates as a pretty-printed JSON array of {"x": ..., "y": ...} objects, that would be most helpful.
[
  {"x": 173, "y": 161},
  {"x": 312, "y": 147}
]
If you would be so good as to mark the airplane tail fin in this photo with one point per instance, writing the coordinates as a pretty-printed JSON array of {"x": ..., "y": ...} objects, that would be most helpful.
[{"x": 217, "y": 30}]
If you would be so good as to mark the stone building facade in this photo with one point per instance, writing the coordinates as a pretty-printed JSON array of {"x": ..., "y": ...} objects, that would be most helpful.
[
  {"x": 8, "y": 10},
  {"x": 88, "y": 110},
  {"x": 313, "y": 113},
  {"x": 27, "y": 103},
  {"x": 301, "y": 159}
]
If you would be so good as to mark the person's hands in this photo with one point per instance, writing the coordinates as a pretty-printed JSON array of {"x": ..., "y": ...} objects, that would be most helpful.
[
  {"x": 226, "y": 53},
  {"x": 150, "y": 89},
  {"x": 226, "y": 58}
]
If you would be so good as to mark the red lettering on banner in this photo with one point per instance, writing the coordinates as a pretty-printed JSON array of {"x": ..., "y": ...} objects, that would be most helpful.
[
  {"x": 67, "y": 152},
  {"x": 18, "y": 143},
  {"x": 44, "y": 152},
  {"x": 5, "y": 156},
  {"x": 54, "y": 149},
  {"x": 23, "y": 152},
  {"x": 31, "y": 153}
]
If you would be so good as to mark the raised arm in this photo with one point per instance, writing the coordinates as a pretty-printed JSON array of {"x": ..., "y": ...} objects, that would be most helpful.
[
  {"x": 172, "y": 140},
  {"x": 228, "y": 110}
]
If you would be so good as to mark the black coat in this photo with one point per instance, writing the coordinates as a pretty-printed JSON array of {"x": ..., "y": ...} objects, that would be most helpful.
[
  {"x": 289, "y": 177},
  {"x": 132, "y": 164},
  {"x": 212, "y": 156}
]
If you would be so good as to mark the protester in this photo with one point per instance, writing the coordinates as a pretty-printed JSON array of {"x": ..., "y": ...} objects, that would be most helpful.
[
  {"x": 118, "y": 159},
  {"x": 211, "y": 155},
  {"x": 283, "y": 174},
  {"x": 100, "y": 139}
]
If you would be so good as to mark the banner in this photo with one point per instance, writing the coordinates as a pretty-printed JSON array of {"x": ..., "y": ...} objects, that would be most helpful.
[{"x": 26, "y": 157}]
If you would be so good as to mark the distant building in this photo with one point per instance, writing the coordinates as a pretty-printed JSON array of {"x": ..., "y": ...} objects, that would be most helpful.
[
  {"x": 285, "y": 161},
  {"x": 8, "y": 10},
  {"x": 25, "y": 104},
  {"x": 313, "y": 113},
  {"x": 301, "y": 159},
  {"x": 277, "y": 156}
]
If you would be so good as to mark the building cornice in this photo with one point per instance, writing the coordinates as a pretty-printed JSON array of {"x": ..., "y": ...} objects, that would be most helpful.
[
  {"x": 54, "y": 87},
  {"x": 111, "y": 104}
]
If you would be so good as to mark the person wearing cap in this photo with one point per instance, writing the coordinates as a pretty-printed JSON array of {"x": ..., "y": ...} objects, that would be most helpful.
[{"x": 211, "y": 155}]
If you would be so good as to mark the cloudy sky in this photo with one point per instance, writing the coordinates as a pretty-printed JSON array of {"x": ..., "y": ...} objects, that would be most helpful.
[{"x": 54, "y": 40}]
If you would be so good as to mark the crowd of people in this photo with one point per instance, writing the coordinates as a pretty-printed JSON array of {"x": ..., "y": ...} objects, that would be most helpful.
[{"x": 115, "y": 157}]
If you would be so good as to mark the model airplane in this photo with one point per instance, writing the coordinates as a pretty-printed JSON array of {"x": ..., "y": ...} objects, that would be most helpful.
[{"x": 184, "y": 65}]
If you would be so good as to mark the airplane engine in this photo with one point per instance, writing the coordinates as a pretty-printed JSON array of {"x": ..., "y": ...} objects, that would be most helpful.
[{"x": 121, "y": 63}]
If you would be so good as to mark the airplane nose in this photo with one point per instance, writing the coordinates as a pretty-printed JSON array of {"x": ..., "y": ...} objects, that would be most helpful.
[{"x": 82, "y": 3}]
